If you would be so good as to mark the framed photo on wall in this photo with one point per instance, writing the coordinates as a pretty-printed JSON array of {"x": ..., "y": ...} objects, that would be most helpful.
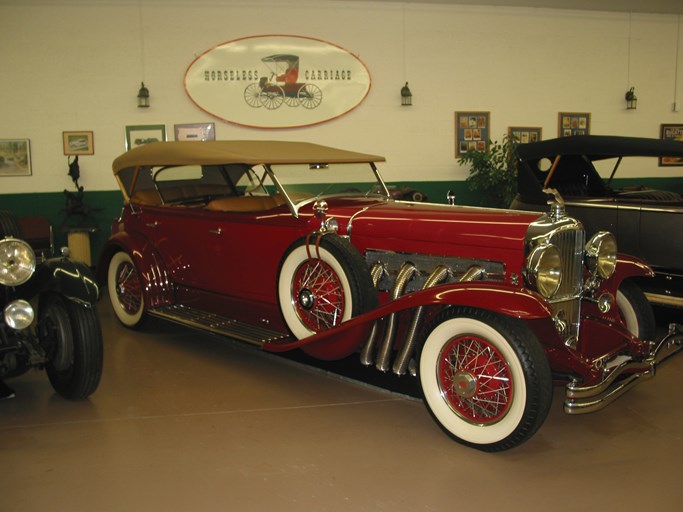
[
  {"x": 138, "y": 135},
  {"x": 472, "y": 132},
  {"x": 15, "y": 157},
  {"x": 671, "y": 132},
  {"x": 196, "y": 131},
  {"x": 78, "y": 143},
  {"x": 573, "y": 123},
  {"x": 524, "y": 134}
]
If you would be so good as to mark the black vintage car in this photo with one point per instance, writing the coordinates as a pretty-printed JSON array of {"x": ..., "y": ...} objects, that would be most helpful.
[
  {"x": 646, "y": 222},
  {"x": 49, "y": 319}
]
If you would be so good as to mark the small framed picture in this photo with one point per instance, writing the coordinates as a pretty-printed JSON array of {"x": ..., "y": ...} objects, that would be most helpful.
[
  {"x": 525, "y": 134},
  {"x": 472, "y": 132},
  {"x": 15, "y": 157},
  {"x": 141, "y": 134},
  {"x": 78, "y": 143},
  {"x": 196, "y": 131},
  {"x": 573, "y": 123},
  {"x": 671, "y": 132}
]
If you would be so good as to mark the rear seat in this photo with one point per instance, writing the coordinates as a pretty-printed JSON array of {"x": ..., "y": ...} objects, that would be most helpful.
[{"x": 245, "y": 203}]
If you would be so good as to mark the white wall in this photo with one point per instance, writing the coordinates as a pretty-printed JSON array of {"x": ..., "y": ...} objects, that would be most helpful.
[{"x": 77, "y": 65}]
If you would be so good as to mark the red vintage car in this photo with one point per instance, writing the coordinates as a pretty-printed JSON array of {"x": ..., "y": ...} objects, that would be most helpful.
[{"x": 290, "y": 245}]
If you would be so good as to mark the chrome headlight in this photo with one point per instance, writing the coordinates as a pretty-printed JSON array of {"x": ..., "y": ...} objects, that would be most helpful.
[
  {"x": 17, "y": 262},
  {"x": 544, "y": 269},
  {"x": 19, "y": 314},
  {"x": 601, "y": 254}
]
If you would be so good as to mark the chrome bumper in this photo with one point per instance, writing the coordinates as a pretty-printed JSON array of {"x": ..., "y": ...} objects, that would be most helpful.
[{"x": 621, "y": 378}]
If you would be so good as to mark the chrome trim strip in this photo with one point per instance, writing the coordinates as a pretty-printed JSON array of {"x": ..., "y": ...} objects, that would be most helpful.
[
  {"x": 613, "y": 205},
  {"x": 666, "y": 300}
]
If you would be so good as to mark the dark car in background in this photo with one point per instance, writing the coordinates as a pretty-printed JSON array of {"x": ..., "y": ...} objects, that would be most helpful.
[{"x": 646, "y": 222}]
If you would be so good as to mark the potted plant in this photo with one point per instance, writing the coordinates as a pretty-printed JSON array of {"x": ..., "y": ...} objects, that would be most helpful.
[{"x": 493, "y": 172}]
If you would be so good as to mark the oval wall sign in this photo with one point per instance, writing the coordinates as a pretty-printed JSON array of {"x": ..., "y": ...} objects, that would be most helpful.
[{"x": 277, "y": 81}]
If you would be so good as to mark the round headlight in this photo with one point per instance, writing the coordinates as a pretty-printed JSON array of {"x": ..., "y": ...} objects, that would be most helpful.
[
  {"x": 17, "y": 262},
  {"x": 19, "y": 314},
  {"x": 544, "y": 269},
  {"x": 601, "y": 254}
]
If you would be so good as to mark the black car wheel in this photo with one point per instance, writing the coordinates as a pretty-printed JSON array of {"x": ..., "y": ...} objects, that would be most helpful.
[
  {"x": 319, "y": 288},
  {"x": 484, "y": 378},
  {"x": 636, "y": 312},
  {"x": 72, "y": 338}
]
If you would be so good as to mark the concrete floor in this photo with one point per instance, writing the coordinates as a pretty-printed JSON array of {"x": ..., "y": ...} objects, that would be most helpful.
[{"x": 183, "y": 422}]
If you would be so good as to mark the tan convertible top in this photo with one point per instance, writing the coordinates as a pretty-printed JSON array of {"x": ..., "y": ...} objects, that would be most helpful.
[{"x": 250, "y": 152}]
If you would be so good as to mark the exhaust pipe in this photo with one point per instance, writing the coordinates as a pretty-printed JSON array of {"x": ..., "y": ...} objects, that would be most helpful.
[
  {"x": 367, "y": 353},
  {"x": 407, "y": 271},
  {"x": 439, "y": 273}
]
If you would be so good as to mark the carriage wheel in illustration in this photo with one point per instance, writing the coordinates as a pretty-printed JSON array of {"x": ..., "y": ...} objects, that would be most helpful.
[
  {"x": 252, "y": 95},
  {"x": 272, "y": 97},
  {"x": 310, "y": 96}
]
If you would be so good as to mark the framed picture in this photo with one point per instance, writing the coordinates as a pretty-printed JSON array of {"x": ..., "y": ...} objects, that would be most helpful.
[
  {"x": 671, "y": 132},
  {"x": 78, "y": 143},
  {"x": 524, "y": 134},
  {"x": 15, "y": 157},
  {"x": 573, "y": 123},
  {"x": 472, "y": 132},
  {"x": 138, "y": 135},
  {"x": 196, "y": 131}
]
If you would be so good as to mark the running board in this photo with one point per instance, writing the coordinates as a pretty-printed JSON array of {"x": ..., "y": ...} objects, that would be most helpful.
[{"x": 217, "y": 324}]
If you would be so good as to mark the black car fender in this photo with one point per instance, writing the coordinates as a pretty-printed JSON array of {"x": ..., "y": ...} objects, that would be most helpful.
[{"x": 72, "y": 279}]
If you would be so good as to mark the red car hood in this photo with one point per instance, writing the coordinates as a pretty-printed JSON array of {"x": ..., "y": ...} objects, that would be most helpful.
[{"x": 434, "y": 224}]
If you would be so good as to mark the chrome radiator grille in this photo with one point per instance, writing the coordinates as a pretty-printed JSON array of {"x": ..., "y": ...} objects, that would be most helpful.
[{"x": 568, "y": 236}]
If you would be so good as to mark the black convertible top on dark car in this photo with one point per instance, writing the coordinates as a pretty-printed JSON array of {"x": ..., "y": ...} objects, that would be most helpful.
[
  {"x": 597, "y": 147},
  {"x": 646, "y": 221}
]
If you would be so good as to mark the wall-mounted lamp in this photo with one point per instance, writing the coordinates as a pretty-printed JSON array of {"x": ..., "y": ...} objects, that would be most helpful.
[
  {"x": 143, "y": 96},
  {"x": 631, "y": 99},
  {"x": 406, "y": 96}
]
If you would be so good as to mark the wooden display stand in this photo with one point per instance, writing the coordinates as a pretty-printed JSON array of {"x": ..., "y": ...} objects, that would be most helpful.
[{"x": 79, "y": 244}]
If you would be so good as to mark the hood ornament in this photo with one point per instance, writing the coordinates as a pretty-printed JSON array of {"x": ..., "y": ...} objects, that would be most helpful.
[{"x": 556, "y": 202}]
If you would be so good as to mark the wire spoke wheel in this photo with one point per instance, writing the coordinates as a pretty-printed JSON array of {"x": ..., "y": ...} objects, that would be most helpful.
[
  {"x": 125, "y": 290},
  {"x": 318, "y": 295}
]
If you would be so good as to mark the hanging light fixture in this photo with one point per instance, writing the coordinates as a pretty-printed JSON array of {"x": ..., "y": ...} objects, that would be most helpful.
[
  {"x": 143, "y": 96},
  {"x": 631, "y": 99},
  {"x": 406, "y": 96}
]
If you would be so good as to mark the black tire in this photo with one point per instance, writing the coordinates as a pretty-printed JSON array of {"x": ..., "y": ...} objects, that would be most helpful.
[
  {"x": 72, "y": 337},
  {"x": 317, "y": 294},
  {"x": 9, "y": 226},
  {"x": 125, "y": 290},
  {"x": 636, "y": 311},
  {"x": 485, "y": 378}
]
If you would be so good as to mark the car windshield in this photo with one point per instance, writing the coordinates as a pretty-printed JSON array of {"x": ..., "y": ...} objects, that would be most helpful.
[{"x": 323, "y": 180}]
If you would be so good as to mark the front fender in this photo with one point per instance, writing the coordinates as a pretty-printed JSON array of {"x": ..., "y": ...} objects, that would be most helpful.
[
  {"x": 72, "y": 279},
  {"x": 630, "y": 266},
  {"x": 515, "y": 302}
]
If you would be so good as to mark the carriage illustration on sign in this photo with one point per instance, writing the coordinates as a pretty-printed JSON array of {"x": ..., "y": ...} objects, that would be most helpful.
[{"x": 281, "y": 86}]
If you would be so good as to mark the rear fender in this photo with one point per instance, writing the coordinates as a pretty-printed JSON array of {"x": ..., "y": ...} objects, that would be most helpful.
[
  {"x": 157, "y": 289},
  {"x": 500, "y": 298}
]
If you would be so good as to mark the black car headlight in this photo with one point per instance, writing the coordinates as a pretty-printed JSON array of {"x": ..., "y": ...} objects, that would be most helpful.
[
  {"x": 544, "y": 269},
  {"x": 601, "y": 254},
  {"x": 17, "y": 262},
  {"x": 19, "y": 314}
]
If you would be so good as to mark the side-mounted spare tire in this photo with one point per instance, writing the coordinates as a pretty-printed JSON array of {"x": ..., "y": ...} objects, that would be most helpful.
[{"x": 321, "y": 287}]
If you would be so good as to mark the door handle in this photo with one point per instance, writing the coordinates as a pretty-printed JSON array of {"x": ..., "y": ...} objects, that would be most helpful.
[
  {"x": 154, "y": 224},
  {"x": 215, "y": 231}
]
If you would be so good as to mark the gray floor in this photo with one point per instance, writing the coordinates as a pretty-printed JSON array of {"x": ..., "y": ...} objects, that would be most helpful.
[{"x": 184, "y": 423}]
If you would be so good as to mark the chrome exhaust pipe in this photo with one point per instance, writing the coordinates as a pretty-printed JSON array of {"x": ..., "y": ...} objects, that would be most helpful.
[
  {"x": 407, "y": 271},
  {"x": 439, "y": 273},
  {"x": 367, "y": 353}
]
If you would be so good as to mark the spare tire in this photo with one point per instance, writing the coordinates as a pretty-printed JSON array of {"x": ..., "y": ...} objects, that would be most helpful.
[{"x": 319, "y": 288}]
